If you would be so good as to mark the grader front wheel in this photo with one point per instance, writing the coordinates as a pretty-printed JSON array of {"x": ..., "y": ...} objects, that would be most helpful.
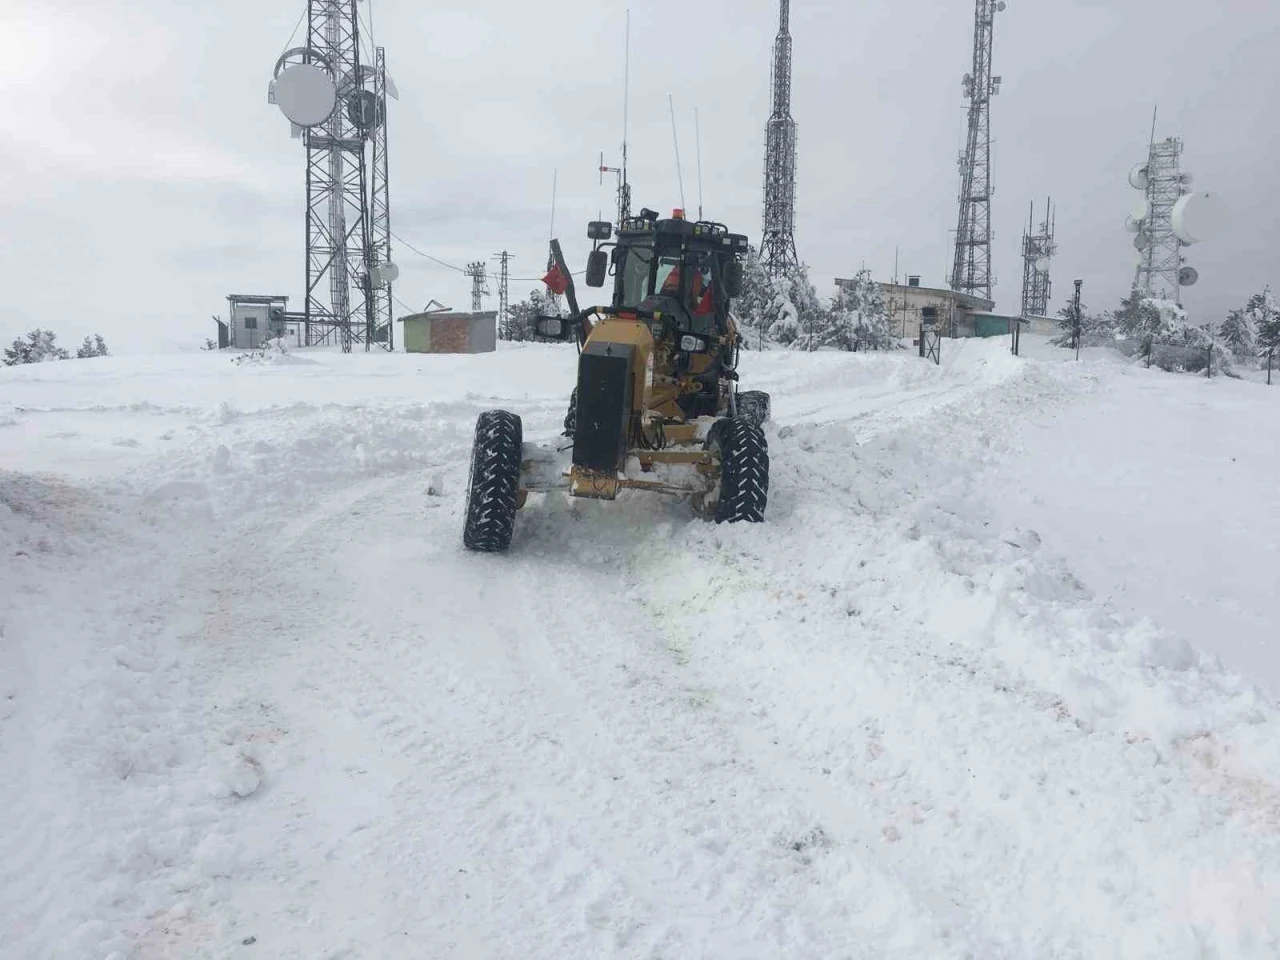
[
  {"x": 494, "y": 488},
  {"x": 744, "y": 470}
]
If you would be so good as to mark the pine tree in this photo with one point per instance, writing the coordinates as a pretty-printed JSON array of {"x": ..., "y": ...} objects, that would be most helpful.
[
  {"x": 93, "y": 346},
  {"x": 858, "y": 316},
  {"x": 751, "y": 305},
  {"x": 1264, "y": 313},
  {"x": 38, "y": 346},
  {"x": 1140, "y": 318},
  {"x": 1239, "y": 334}
]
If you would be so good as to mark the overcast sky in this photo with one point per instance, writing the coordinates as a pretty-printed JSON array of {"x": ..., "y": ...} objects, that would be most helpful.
[{"x": 143, "y": 175}]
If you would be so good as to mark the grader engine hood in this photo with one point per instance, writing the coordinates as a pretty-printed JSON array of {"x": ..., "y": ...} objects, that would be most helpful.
[{"x": 606, "y": 377}]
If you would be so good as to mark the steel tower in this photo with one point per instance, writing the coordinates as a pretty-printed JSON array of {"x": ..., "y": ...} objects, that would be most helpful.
[
  {"x": 1038, "y": 249},
  {"x": 778, "y": 244},
  {"x": 348, "y": 227},
  {"x": 971, "y": 271},
  {"x": 1159, "y": 247}
]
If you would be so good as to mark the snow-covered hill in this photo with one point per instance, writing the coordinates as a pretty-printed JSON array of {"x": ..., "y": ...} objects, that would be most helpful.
[{"x": 992, "y": 682}]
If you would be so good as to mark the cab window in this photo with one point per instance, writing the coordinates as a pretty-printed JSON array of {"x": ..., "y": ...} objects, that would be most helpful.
[{"x": 635, "y": 275}]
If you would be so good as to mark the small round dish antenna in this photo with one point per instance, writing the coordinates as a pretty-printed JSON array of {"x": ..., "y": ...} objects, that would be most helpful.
[
  {"x": 1188, "y": 276},
  {"x": 1138, "y": 176},
  {"x": 305, "y": 94},
  {"x": 1141, "y": 242},
  {"x": 1001, "y": 6},
  {"x": 384, "y": 274},
  {"x": 1132, "y": 224},
  {"x": 1198, "y": 216},
  {"x": 1043, "y": 264}
]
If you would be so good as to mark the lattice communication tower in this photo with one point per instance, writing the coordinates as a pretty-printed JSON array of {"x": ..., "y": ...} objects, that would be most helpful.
[
  {"x": 778, "y": 243},
  {"x": 337, "y": 103},
  {"x": 1038, "y": 248},
  {"x": 971, "y": 269}
]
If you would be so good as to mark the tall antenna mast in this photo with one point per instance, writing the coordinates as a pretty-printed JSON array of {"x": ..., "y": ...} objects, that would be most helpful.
[
  {"x": 971, "y": 268},
  {"x": 697, "y": 136},
  {"x": 778, "y": 244},
  {"x": 624, "y": 191},
  {"x": 624, "y": 185},
  {"x": 336, "y": 104},
  {"x": 676, "y": 141},
  {"x": 1038, "y": 249}
]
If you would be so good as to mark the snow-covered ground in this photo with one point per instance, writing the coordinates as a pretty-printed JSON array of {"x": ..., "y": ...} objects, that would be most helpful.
[{"x": 992, "y": 682}]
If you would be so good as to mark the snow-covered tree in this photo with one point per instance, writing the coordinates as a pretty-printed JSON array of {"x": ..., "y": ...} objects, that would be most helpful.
[
  {"x": 37, "y": 347},
  {"x": 1142, "y": 318},
  {"x": 93, "y": 346},
  {"x": 859, "y": 315},
  {"x": 1263, "y": 312},
  {"x": 751, "y": 305},
  {"x": 519, "y": 324},
  {"x": 1239, "y": 335},
  {"x": 1095, "y": 328}
]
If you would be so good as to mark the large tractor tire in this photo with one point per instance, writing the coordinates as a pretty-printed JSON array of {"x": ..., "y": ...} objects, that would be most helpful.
[
  {"x": 494, "y": 485},
  {"x": 571, "y": 418},
  {"x": 754, "y": 405},
  {"x": 744, "y": 470}
]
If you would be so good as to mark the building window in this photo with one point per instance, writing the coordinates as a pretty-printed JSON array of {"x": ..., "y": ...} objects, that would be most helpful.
[{"x": 251, "y": 323}]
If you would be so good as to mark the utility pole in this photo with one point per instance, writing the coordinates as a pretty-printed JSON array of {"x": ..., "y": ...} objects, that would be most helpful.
[
  {"x": 1075, "y": 314},
  {"x": 476, "y": 271},
  {"x": 504, "y": 277}
]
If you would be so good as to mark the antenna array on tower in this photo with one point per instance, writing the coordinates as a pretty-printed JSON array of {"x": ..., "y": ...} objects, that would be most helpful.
[{"x": 1038, "y": 249}]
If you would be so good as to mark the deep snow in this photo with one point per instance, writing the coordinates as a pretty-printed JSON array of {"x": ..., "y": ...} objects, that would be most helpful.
[{"x": 985, "y": 685}]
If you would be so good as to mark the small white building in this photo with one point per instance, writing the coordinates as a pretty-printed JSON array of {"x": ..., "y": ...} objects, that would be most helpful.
[{"x": 254, "y": 320}]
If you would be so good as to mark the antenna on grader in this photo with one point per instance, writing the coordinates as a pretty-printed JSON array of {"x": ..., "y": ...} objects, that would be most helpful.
[{"x": 676, "y": 140}]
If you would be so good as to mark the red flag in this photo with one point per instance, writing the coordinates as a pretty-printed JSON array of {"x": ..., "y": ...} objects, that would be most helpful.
[{"x": 555, "y": 280}]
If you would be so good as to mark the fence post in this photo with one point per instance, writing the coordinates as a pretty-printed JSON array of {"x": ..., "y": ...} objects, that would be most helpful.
[
  {"x": 1208, "y": 370},
  {"x": 1270, "y": 354}
]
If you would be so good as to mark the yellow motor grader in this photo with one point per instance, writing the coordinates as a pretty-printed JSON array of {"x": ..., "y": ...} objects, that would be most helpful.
[{"x": 656, "y": 406}]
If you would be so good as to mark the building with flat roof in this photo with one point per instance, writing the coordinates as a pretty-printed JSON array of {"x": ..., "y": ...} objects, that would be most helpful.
[{"x": 956, "y": 310}]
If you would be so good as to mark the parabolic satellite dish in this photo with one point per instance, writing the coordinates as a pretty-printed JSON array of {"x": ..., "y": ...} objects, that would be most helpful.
[
  {"x": 1198, "y": 216},
  {"x": 1138, "y": 176},
  {"x": 1132, "y": 224},
  {"x": 1043, "y": 264},
  {"x": 1188, "y": 276},
  {"x": 305, "y": 94},
  {"x": 1141, "y": 242},
  {"x": 384, "y": 274}
]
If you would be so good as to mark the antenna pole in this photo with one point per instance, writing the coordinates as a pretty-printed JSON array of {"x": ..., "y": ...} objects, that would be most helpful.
[
  {"x": 697, "y": 136},
  {"x": 555, "y": 178},
  {"x": 676, "y": 140}
]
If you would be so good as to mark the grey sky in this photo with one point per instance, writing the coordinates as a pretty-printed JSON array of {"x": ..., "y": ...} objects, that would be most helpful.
[{"x": 143, "y": 175}]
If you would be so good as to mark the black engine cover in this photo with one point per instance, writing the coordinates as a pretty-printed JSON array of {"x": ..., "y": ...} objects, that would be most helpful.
[{"x": 605, "y": 373}]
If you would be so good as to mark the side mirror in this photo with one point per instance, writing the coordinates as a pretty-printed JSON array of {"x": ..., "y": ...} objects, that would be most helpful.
[
  {"x": 733, "y": 280},
  {"x": 552, "y": 328},
  {"x": 599, "y": 230},
  {"x": 597, "y": 267}
]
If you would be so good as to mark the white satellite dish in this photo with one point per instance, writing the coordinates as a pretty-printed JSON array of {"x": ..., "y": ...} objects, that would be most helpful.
[
  {"x": 384, "y": 274},
  {"x": 1188, "y": 276},
  {"x": 1198, "y": 216},
  {"x": 1138, "y": 176},
  {"x": 1043, "y": 264},
  {"x": 305, "y": 94},
  {"x": 1132, "y": 224}
]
